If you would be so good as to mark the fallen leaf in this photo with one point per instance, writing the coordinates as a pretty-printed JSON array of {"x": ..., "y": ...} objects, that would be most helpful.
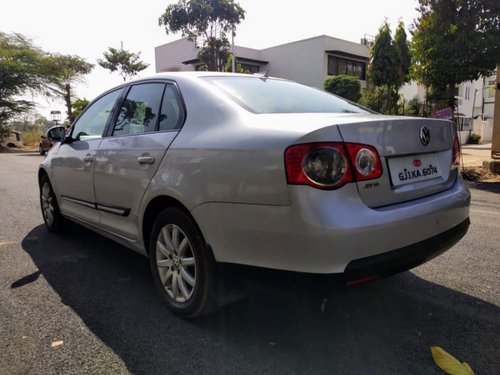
[
  {"x": 448, "y": 363},
  {"x": 56, "y": 344}
]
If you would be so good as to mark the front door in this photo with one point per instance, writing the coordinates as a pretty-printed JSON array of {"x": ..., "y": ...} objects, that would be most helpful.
[{"x": 73, "y": 162}]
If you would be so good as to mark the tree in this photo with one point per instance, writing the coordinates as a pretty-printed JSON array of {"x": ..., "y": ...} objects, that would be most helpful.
[
  {"x": 383, "y": 67},
  {"x": 389, "y": 67},
  {"x": 228, "y": 67},
  {"x": 375, "y": 98},
  {"x": 69, "y": 69},
  {"x": 215, "y": 54},
  {"x": 455, "y": 41},
  {"x": 346, "y": 86},
  {"x": 127, "y": 63},
  {"x": 208, "y": 22},
  {"x": 23, "y": 69},
  {"x": 78, "y": 106},
  {"x": 403, "y": 57}
]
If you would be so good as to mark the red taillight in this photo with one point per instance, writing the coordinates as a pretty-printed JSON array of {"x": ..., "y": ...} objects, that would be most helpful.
[
  {"x": 321, "y": 165},
  {"x": 330, "y": 165},
  {"x": 455, "y": 157},
  {"x": 366, "y": 162}
]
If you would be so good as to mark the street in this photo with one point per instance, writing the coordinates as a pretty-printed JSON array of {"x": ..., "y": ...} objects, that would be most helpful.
[{"x": 80, "y": 304}]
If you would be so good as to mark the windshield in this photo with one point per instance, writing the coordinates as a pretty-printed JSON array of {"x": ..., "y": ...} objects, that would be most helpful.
[{"x": 266, "y": 95}]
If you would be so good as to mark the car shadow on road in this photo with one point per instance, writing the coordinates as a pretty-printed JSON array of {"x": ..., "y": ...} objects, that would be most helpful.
[
  {"x": 291, "y": 324},
  {"x": 492, "y": 187},
  {"x": 15, "y": 151},
  {"x": 31, "y": 153}
]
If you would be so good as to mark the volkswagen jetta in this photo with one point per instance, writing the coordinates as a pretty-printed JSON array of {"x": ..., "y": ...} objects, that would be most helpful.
[{"x": 196, "y": 168}]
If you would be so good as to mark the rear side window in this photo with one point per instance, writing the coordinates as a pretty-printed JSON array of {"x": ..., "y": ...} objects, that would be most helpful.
[
  {"x": 172, "y": 113},
  {"x": 91, "y": 123},
  {"x": 140, "y": 110},
  {"x": 267, "y": 95}
]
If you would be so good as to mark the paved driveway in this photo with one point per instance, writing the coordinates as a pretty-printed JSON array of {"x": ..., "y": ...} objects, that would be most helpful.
[{"x": 474, "y": 155}]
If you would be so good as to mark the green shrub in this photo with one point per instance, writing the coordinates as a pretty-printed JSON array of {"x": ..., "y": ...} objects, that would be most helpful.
[
  {"x": 345, "y": 86},
  {"x": 474, "y": 139},
  {"x": 31, "y": 138},
  {"x": 412, "y": 107}
]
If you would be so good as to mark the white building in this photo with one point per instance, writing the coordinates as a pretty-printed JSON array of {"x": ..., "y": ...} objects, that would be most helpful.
[
  {"x": 307, "y": 61},
  {"x": 476, "y": 100},
  {"x": 475, "y": 105},
  {"x": 310, "y": 61}
]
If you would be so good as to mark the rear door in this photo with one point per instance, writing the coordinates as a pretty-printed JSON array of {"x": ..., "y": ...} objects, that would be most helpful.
[{"x": 148, "y": 120}]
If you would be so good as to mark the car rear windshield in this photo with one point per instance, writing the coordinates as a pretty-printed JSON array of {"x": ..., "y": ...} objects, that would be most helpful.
[{"x": 267, "y": 95}]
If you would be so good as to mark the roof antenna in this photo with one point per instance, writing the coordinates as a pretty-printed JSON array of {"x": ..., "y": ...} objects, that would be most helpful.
[{"x": 264, "y": 74}]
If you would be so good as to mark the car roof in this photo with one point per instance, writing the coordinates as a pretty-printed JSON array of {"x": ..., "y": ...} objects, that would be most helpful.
[{"x": 190, "y": 75}]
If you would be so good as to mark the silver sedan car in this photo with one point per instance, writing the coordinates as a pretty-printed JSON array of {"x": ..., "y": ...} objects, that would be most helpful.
[{"x": 195, "y": 169}]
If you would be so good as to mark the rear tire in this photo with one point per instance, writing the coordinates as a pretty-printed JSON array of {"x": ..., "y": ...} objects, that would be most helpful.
[
  {"x": 52, "y": 217},
  {"x": 181, "y": 264}
]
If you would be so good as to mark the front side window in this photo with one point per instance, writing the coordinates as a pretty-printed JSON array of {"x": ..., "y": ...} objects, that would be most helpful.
[
  {"x": 139, "y": 112},
  {"x": 91, "y": 123}
]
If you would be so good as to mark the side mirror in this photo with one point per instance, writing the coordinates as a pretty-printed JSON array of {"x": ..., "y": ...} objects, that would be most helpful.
[{"x": 55, "y": 138}]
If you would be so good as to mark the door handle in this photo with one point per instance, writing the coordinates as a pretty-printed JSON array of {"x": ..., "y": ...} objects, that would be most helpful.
[
  {"x": 88, "y": 159},
  {"x": 145, "y": 160}
]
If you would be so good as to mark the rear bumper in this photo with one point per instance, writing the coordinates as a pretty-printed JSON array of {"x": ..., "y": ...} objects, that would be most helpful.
[
  {"x": 403, "y": 259},
  {"x": 325, "y": 231}
]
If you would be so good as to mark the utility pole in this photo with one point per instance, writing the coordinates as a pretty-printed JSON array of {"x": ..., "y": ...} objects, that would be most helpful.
[
  {"x": 233, "y": 58},
  {"x": 495, "y": 142}
]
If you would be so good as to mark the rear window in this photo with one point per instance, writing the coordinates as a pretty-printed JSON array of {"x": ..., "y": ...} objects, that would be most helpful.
[{"x": 267, "y": 95}]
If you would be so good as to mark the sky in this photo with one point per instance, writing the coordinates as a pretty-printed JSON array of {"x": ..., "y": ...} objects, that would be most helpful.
[{"x": 88, "y": 28}]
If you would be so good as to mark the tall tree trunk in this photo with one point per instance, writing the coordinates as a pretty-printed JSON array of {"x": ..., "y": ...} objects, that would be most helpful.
[{"x": 67, "y": 98}]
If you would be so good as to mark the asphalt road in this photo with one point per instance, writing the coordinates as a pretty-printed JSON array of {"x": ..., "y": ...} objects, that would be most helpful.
[{"x": 94, "y": 302}]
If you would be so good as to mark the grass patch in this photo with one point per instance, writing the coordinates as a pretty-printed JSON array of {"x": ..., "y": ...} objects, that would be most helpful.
[{"x": 31, "y": 138}]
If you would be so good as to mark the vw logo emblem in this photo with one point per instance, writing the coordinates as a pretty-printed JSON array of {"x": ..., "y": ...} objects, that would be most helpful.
[{"x": 425, "y": 135}]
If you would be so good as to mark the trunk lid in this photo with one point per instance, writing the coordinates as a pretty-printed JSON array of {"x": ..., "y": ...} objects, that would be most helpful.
[{"x": 416, "y": 155}]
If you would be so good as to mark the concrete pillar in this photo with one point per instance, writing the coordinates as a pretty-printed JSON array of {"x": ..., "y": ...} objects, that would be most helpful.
[{"x": 495, "y": 142}]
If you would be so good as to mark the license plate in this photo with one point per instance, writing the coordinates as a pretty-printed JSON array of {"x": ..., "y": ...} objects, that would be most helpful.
[{"x": 410, "y": 169}]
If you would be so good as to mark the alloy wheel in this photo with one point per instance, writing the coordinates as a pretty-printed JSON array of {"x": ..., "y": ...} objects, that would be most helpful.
[
  {"x": 48, "y": 207},
  {"x": 176, "y": 263}
]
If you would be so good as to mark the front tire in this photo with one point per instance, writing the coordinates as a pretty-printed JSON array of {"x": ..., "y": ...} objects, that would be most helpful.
[
  {"x": 181, "y": 264},
  {"x": 52, "y": 217}
]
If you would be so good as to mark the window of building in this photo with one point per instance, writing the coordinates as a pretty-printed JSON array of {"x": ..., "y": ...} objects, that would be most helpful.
[
  {"x": 341, "y": 65},
  {"x": 250, "y": 67},
  {"x": 491, "y": 89}
]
